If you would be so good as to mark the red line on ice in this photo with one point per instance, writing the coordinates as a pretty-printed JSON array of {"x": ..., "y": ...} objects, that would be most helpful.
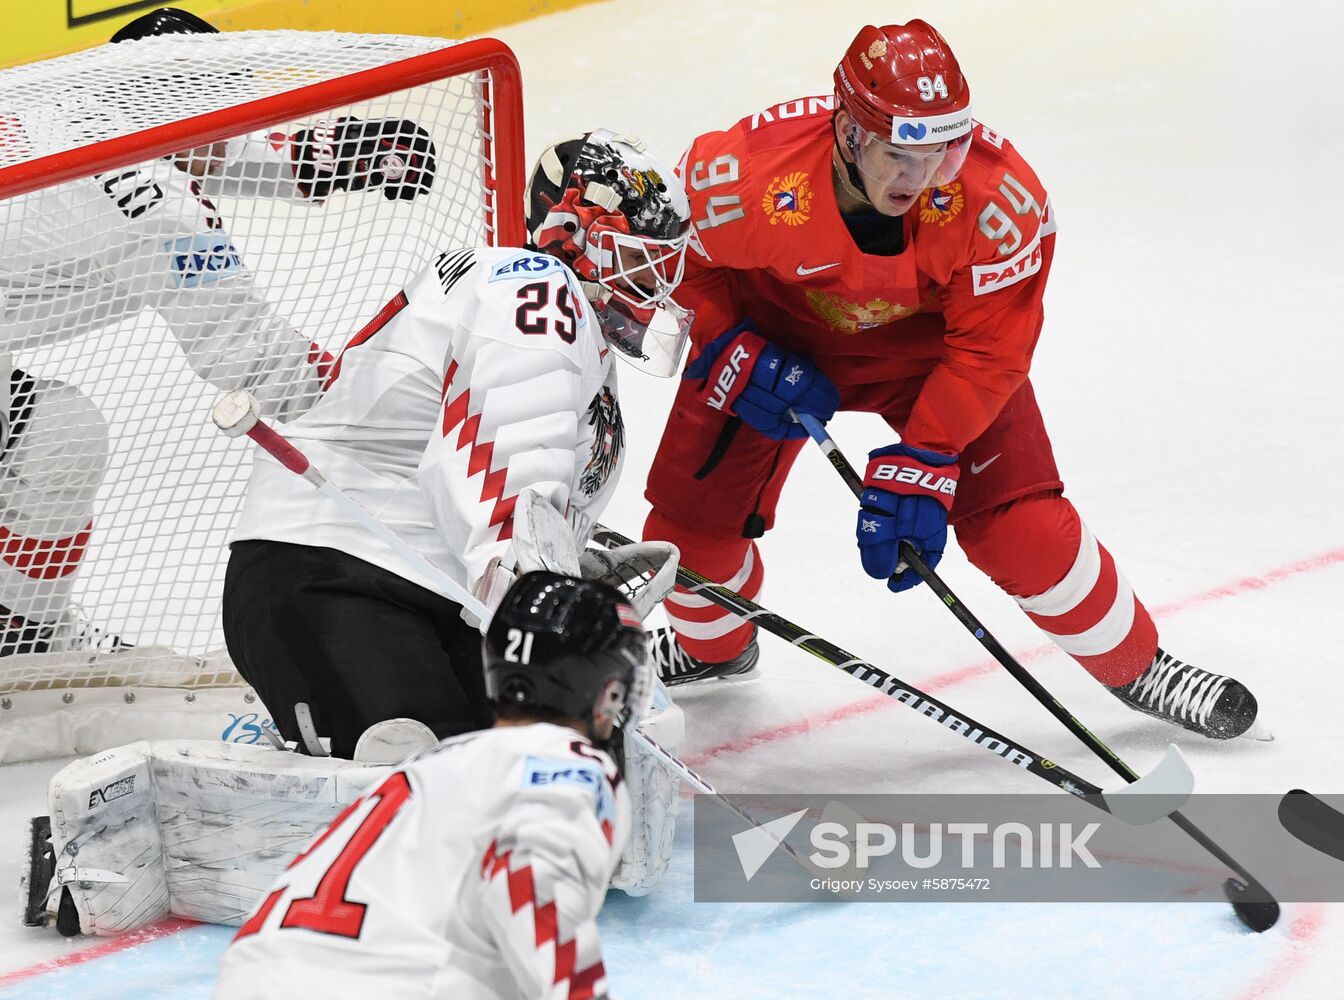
[
  {"x": 109, "y": 947},
  {"x": 1301, "y": 932},
  {"x": 970, "y": 671}
]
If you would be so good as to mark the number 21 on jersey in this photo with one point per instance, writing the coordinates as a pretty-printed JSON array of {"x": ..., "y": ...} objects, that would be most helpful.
[{"x": 327, "y": 910}]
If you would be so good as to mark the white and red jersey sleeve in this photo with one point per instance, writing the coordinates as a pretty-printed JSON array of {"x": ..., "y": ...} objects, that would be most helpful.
[
  {"x": 78, "y": 257},
  {"x": 544, "y": 876},
  {"x": 488, "y": 374}
]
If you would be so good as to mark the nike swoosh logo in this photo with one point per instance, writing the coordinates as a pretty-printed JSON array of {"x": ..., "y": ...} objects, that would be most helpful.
[
  {"x": 803, "y": 272},
  {"x": 976, "y": 469}
]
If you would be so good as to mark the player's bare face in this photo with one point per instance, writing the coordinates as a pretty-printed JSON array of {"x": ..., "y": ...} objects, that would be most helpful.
[{"x": 894, "y": 176}]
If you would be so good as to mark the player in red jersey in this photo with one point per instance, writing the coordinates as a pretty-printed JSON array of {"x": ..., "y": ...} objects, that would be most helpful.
[{"x": 878, "y": 249}]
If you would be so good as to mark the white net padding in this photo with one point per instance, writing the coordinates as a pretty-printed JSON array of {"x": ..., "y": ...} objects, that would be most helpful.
[{"x": 231, "y": 210}]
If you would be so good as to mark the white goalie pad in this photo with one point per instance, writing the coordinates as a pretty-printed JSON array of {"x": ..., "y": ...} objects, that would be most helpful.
[
  {"x": 645, "y": 572},
  {"x": 655, "y": 797},
  {"x": 195, "y": 829}
]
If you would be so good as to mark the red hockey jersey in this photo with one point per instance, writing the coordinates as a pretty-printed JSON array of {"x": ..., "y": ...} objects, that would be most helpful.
[{"x": 958, "y": 310}]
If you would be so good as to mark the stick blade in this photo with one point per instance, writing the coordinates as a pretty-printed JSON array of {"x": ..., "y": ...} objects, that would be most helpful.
[
  {"x": 1253, "y": 905},
  {"x": 1313, "y": 822},
  {"x": 1157, "y": 794}
]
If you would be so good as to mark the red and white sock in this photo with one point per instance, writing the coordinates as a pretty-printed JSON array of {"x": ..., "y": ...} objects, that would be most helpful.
[
  {"x": 705, "y": 630},
  {"x": 1040, "y": 552}
]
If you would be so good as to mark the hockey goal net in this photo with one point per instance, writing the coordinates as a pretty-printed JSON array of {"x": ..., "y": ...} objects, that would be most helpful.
[{"x": 179, "y": 216}]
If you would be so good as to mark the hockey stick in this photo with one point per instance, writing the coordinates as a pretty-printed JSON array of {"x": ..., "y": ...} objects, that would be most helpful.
[
  {"x": 236, "y": 415},
  {"x": 1165, "y": 788},
  {"x": 1313, "y": 822},
  {"x": 1252, "y": 902}
]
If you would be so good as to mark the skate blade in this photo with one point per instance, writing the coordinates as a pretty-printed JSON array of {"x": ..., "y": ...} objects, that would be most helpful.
[{"x": 1259, "y": 733}]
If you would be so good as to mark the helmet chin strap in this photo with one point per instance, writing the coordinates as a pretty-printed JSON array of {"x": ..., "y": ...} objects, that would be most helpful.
[{"x": 848, "y": 175}]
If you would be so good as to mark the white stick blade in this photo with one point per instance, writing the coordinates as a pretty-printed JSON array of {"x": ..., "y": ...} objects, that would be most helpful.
[{"x": 1157, "y": 794}]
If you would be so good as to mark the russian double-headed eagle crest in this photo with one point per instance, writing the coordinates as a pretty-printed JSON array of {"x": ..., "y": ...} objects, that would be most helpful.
[{"x": 788, "y": 199}]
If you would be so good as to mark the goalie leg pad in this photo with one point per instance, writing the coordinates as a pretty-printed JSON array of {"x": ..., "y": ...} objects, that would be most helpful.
[
  {"x": 654, "y": 798},
  {"x": 198, "y": 829}
]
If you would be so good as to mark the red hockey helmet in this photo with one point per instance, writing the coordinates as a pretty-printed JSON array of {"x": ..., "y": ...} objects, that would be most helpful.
[{"x": 903, "y": 91}]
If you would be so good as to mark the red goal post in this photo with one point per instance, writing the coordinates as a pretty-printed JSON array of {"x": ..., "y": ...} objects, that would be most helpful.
[{"x": 96, "y": 150}]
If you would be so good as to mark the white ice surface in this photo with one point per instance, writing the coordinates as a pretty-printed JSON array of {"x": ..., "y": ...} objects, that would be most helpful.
[{"x": 1189, "y": 376}]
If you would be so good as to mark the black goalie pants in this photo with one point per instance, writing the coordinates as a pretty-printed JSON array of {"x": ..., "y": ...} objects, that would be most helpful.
[{"x": 355, "y": 643}]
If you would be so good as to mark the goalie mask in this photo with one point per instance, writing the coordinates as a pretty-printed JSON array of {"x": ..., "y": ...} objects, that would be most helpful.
[
  {"x": 619, "y": 218},
  {"x": 568, "y": 645}
]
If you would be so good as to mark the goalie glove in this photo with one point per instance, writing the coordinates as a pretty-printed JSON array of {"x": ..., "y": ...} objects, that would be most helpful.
[
  {"x": 393, "y": 154},
  {"x": 645, "y": 572},
  {"x": 542, "y": 539}
]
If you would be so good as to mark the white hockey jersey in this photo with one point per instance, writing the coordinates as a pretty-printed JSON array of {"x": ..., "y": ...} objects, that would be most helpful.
[
  {"x": 82, "y": 255},
  {"x": 475, "y": 872},
  {"x": 488, "y": 374}
]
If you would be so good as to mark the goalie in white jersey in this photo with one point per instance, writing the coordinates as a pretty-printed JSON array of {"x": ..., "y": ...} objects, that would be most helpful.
[
  {"x": 82, "y": 256},
  {"x": 477, "y": 869},
  {"x": 490, "y": 378}
]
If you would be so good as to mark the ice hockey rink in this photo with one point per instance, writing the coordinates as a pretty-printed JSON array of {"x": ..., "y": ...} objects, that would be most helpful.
[{"x": 1189, "y": 374}]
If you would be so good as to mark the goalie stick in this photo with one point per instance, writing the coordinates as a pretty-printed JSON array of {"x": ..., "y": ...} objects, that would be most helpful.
[
  {"x": 1251, "y": 901},
  {"x": 236, "y": 415}
]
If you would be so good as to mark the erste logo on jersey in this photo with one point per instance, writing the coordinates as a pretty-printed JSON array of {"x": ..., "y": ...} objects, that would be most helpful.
[
  {"x": 547, "y": 772},
  {"x": 788, "y": 199},
  {"x": 941, "y": 205},
  {"x": 203, "y": 258},
  {"x": 531, "y": 265}
]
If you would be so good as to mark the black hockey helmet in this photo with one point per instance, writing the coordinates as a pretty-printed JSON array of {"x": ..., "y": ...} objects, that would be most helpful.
[
  {"x": 570, "y": 646},
  {"x": 617, "y": 215},
  {"x": 164, "y": 21}
]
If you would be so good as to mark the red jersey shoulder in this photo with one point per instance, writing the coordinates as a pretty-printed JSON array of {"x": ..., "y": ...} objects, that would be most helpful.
[
  {"x": 991, "y": 218},
  {"x": 756, "y": 175}
]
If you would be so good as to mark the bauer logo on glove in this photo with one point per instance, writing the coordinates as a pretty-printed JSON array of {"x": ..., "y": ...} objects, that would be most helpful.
[
  {"x": 912, "y": 475},
  {"x": 748, "y": 377}
]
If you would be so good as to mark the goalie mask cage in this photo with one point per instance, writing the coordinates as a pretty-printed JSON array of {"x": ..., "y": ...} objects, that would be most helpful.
[{"x": 156, "y": 249}]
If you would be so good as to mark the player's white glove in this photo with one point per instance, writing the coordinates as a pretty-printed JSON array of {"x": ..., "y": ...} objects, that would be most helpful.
[{"x": 542, "y": 539}]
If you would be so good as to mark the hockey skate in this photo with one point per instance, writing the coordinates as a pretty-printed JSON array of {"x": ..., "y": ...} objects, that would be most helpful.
[
  {"x": 71, "y": 632},
  {"x": 1206, "y": 703},
  {"x": 676, "y": 666}
]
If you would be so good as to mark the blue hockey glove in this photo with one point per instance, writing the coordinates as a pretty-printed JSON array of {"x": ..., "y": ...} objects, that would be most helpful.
[
  {"x": 748, "y": 377},
  {"x": 907, "y": 493}
]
